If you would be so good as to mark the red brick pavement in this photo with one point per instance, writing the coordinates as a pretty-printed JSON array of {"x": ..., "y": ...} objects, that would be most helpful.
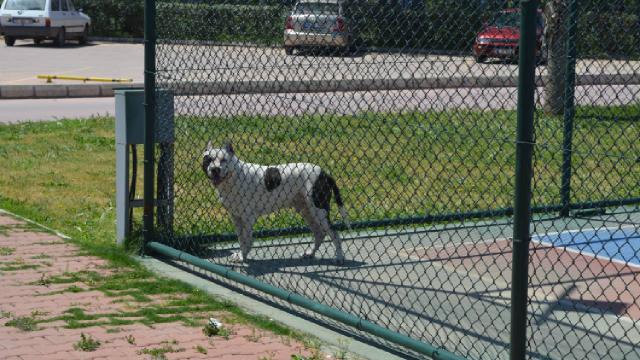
[{"x": 19, "y": 296}]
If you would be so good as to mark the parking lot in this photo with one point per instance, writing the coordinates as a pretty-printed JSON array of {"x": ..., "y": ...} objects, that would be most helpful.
[
  {"x": 236, "y": 64},
  {"x": 23, "y": 62}
]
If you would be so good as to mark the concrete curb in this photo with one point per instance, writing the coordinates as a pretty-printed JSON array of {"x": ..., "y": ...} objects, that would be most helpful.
[
  {"x": 59, "y": 91},
  {"x": 300, "y": 86},
  {"x": 118, "y": 40}
]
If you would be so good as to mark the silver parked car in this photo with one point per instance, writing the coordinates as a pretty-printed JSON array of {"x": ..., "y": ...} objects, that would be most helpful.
[{"x": 316, "y": 23}]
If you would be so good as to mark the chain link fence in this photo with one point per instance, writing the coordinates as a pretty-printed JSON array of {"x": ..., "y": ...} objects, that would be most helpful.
[{"x": 404, "y": 112}]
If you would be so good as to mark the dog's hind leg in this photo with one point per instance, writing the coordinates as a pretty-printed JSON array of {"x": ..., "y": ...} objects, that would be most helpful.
[
  {"x": 318, "y": 232},
  {"x": 322, "y": 217}
]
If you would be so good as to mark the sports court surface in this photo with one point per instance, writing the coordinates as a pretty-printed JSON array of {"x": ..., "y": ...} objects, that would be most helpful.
[{"x": 449, "y": 285}]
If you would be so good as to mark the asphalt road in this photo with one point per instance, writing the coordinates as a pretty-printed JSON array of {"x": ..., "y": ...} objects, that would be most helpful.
[
  {"x": 316, "y": 103},
  {"x": 14, "y": 111}
]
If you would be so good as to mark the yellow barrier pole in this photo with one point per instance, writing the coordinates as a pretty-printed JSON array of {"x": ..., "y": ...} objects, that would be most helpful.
[{"x": 49, "y": 78}]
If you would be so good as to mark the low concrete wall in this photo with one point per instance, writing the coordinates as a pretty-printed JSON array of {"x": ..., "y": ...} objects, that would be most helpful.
[
  {"x": 299, "y": 86},
  {"x": 56, "y": 91}
]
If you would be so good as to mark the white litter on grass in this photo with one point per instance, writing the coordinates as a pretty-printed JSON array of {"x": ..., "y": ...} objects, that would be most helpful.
[{"x": 214, "y": 323}]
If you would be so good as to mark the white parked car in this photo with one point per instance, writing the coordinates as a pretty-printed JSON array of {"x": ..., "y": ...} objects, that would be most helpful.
[
  {"x": 316, "y": 23},
  {"x": 56, "y": 20}
]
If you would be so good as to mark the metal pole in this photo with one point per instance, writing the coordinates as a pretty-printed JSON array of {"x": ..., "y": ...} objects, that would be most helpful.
[
  {"x": 149, "y": 115},
  {"x": 524, "y": 155},
  {"x": 569, "y": 107}
]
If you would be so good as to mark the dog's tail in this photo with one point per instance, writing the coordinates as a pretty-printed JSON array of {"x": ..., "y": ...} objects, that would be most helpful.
[{"x": 343, "y": 211}]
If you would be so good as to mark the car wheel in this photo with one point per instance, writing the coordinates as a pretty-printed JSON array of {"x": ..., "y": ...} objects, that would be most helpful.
[
  {"x": 61, "y": 38},
  {"x": 84, "y": 39},
  {"x": 37, "y": 41},
  {"x": 288, "y": 50},
  {"x": 9, "y": 41},
  {"x": 481, "y": 59}
]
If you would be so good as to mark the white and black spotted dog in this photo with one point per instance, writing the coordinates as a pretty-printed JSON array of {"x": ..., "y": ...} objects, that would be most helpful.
[{"x": 248, "y": 191}]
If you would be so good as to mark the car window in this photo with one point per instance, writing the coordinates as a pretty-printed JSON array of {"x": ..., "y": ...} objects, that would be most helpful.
[
  {"x": 25, "y": 4},
  {"x": 316, "y": 9},
  {"x": 509, "y": 19},
  {"x": 64, "y": 5},
  {"x": 512, "y": 19},
  {"x": 55, "y": 5}
]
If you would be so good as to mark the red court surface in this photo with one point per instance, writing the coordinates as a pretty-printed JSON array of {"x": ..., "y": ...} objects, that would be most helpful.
[{"x": 577, "y": 282}]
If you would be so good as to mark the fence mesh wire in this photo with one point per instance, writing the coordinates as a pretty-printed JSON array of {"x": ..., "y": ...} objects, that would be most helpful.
[{"x": 410, "y": 107}]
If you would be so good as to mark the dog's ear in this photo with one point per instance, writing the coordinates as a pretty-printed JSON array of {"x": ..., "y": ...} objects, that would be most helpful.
[
  {"x": 210, "y": 145},
  {"x": 229, "y": 147}
]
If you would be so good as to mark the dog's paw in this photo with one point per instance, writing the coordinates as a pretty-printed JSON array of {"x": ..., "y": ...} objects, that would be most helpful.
[
  {"x": 236, "y": 257},
  {"x": 309, "y": 254}
]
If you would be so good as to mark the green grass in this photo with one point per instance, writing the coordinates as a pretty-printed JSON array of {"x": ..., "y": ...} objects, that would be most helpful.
[
  {"x": 388, "y": 165},
  {"x": 411, "y": 164}
]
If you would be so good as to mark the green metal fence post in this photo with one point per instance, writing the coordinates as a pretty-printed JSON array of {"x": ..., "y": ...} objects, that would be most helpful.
[
  {"x": 569, "y": 107},
  {"x": 524, "y": 155},
  {"x": 149, "y": 115}
]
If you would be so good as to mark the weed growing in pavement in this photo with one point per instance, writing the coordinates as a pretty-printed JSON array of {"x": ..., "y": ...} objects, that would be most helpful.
[
  {"x": 270, "y": 356},
  {"x": 312, "y": 345},
  {"x": 86, "y": 343},
  {"x": 24, "y": 323},
  {"x": 343, "y": 345},
  {"x": 130, "y": 339},
  {"x": 210, "y": 330},
  {"x": 6, "y": 251},
  {"x": 313, "y": 356},
  {"x": 160, "y": 353},
  {"x": 255, "y": 336},
  {"x": 16, "y": 265},
  {"x": 201, "y": 349}
]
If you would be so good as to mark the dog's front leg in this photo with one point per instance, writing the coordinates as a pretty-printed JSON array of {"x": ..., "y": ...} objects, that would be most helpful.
[
  {"x": 244, "y": 229},
  {"x": 245, "y": 238}
]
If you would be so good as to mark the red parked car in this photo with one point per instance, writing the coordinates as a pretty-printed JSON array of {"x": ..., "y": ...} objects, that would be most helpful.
[{"x": 500, "y": 37}]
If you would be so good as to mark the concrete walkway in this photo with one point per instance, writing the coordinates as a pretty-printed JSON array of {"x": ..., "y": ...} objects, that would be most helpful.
[{"x": 28, "y": 256}]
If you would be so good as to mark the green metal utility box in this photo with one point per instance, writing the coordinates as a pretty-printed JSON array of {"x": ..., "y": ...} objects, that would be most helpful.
[{"x": 130, "y": 132}]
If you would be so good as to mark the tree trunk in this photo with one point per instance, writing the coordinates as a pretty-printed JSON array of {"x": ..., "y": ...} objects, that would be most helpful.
[{"x": 556, "y": 37}]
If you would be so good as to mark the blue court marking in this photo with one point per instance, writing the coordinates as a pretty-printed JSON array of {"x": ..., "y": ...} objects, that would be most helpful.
[{"x": 615, "y": 244}]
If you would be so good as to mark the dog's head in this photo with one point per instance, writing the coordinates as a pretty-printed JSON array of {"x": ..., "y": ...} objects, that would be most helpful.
[{"x": 217, "y": 163}]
